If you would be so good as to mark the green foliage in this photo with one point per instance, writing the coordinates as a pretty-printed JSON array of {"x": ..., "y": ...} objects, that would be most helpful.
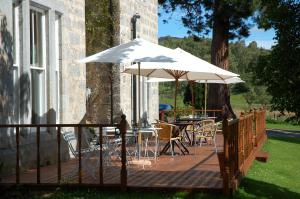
[
  {"x": 187, "y": 98},
  {"x": 280, "y": 70},
  {"x": 242, "y": 60},
  {"x": 199, "y": 15},
  {"x": 198, "y": 95},
  {"x": 256, "y": 95},
  {"x": 101, "y": 24}
]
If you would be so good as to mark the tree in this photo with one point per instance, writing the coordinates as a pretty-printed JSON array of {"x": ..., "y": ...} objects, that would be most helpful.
[
  {"x": 197, "y": 94},
  {"x": 227, "y": 19},
  {"x": 280, "y": 70}
]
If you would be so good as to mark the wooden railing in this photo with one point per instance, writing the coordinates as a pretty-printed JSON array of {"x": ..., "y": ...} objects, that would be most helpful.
[
  {"x": 240, "y": 137},
  {"x": 58, "y": 127},
  {"x": 170, "y": 113},
  {"x": 260, "y": 126}
]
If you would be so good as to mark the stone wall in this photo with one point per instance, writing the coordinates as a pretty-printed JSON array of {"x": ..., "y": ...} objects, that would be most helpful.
[
  {"x": 98, "y": 75},
  {"x": 147, "y": 28},
  {"x": 15, "y": 97}
]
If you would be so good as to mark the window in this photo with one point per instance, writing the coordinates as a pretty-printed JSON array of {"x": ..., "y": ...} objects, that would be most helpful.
[
  {"x": 57, "y": 65},
  {"x": 16, "y": 58},
  {"x": 38, "y": 65}
]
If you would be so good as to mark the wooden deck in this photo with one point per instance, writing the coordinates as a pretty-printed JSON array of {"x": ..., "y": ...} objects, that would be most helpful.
[{"x": 192, "y": 171}]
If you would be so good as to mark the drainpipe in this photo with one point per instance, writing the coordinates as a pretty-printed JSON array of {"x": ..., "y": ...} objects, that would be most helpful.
[{"x": 133, "y": 79}]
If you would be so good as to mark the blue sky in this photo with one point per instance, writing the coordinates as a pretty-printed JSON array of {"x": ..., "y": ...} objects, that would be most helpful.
[{"x": 175, "y": 28}]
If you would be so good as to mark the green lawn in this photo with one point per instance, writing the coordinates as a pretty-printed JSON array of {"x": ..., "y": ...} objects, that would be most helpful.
[
  {"x": 283, "y": 126},
  {"x": 278, "y": 178}
]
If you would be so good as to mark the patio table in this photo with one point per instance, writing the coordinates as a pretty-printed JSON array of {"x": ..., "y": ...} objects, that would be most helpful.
[
  {"x": 152, "y": 131},
  {"x": 186, "y": 121}
]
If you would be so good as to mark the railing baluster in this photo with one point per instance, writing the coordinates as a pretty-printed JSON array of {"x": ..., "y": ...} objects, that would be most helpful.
[
  {"x": 58, "y": 156},
  {"x": 79, "y": 155},
  {"x": 17, "y": 155},
  {"x": 38, "y": 177},
  {"x": 101, "y": 156},
  {"x": 123, "y": 153}
]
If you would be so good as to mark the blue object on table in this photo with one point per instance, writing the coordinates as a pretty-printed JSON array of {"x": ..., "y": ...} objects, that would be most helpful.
[{"x": 165, "y": 107}]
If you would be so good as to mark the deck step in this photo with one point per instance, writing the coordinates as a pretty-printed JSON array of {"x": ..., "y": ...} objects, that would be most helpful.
[{"x": 262, "y": 156}]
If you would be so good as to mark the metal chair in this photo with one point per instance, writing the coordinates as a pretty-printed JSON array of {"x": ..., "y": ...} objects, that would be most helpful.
[{"x": 207, "y": 132}]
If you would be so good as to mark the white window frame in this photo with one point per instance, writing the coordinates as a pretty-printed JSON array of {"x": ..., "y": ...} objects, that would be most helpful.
[
  {"x": 42, "y": 69},
  {"x": 57, "y": 29},
  {"x": 16, "y": 61}
]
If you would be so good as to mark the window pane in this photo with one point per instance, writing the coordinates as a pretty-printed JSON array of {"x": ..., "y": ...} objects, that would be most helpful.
[
  {"x": 36, "y": 50},
  {"x": 16, "y": 33},
  {"x": 38, "y": 96}
]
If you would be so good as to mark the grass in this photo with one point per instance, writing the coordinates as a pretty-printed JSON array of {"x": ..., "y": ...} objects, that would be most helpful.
[
  {"x": 283, "y": 126},
  {"x": 278, "y": 178}
]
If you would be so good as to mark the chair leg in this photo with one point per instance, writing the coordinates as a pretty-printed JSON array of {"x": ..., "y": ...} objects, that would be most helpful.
[
  {"x": 216, "y": 149},
  {"x": 172, "y": 148}
]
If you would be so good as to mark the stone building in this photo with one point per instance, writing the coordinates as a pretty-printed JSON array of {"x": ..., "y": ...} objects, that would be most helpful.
[
  {"x": 145, "y": 13},
  {"x": 41, "y": 82}
]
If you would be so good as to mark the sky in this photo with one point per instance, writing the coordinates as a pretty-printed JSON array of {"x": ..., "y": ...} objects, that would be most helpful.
[{"x": 175, "y": 28}]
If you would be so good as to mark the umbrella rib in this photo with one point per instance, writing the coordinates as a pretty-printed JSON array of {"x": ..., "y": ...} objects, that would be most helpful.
[
  {"x": 221, "y": 77},
  {"x": 151, "y": 72}
]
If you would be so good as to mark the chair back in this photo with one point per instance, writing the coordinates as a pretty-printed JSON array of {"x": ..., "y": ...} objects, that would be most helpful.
[
  {"x": 206, "y": 122},
  {"x": 166, "y": 132},
  {"x": 70, "y": 138}
]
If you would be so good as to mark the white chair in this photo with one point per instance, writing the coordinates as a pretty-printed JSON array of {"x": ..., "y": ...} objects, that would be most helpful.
[
  {"x": 87, "y": 153},
  {"x": 206, "y": 132}
]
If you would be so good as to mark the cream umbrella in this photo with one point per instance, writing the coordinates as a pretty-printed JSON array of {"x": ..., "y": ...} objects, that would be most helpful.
[
  {"x": 187, "y": 67},
  {"x": 138, "y": 51}
]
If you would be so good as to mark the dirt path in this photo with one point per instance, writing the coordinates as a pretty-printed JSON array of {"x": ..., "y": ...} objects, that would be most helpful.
[{"x": 283, "y": 133}]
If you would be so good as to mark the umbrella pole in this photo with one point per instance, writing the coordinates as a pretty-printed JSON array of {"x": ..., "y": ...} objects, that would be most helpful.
[
  {"x": 139, "y": 89},
  {"x": 193, "y": 99},
  {"x": 175, "y": 108},
  {"x": 205, "y": 98}
]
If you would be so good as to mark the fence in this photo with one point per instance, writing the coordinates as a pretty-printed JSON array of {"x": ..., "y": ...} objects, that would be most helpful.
[
  {"x": 243, "y": 137},
  {"x": 58, "y": 127},
  {"x": 170, "y": 113}
]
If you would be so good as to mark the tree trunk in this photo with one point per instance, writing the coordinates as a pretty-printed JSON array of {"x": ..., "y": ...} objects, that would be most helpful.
[{"x": 218, "y": 94}]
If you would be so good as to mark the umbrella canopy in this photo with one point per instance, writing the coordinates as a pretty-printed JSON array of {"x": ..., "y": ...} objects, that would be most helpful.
[
  {"x": 187, "y": 67},
  {"x": 156, "y": 79},
  {"x": 233, "y": 80},
  {"x": 137, "y": 50}
]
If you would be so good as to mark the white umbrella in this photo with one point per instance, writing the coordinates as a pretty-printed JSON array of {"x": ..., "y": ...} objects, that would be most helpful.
[
  {"x": 233, "y": 80},
  {"x": 137, "y": 50},
  {"x": 187, "y": 67}
]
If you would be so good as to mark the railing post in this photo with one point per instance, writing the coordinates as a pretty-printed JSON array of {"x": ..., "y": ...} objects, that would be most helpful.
[
  {"x": 101, "y": 156},
  {"x": 242, "y": 133},
  {"x": 123, "y": 125},
  {"x": 38, "y": 176},
  {"x": 58, "y": 156},
  {"x": 226, "y": 172},
  {"x": 255, "y": 136},
  {"x": 18, "y": 155},
  {"x": 79, "y": 155}
]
